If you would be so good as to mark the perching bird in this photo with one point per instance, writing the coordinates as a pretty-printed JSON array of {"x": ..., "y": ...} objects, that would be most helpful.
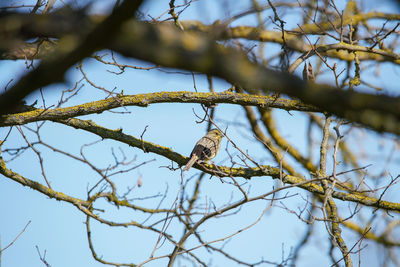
[{"x": 206, "y": 148}]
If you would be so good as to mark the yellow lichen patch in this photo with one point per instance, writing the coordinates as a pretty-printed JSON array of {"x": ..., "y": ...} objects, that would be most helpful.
[{"x": 191, "y": 41}]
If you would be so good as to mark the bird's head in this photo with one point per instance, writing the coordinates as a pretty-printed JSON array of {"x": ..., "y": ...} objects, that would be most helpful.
[{"x": 215, "y": 133}]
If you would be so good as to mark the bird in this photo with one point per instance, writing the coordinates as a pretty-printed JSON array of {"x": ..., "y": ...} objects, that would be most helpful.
[{"x": 206, "y": 148}]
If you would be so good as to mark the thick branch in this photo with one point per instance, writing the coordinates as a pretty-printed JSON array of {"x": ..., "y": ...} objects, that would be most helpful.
[
  {"x": 144, "y": 100},
  {"x": 169, "y": 47}
]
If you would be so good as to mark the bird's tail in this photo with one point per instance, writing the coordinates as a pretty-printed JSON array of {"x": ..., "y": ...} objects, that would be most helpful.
[{"x": 190, "y": 163}]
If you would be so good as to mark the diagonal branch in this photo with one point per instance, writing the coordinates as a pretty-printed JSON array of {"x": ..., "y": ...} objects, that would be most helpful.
[
  {"x": 165, "y": 45},
  {"x": 220, "y": 171}
]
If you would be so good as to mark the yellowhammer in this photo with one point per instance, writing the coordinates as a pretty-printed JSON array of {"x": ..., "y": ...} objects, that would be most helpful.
[{"x": 206, "y": 148}]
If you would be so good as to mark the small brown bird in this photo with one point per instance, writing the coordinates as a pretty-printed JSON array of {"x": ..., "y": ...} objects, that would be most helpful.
[{"x": 206, "y": 148}]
